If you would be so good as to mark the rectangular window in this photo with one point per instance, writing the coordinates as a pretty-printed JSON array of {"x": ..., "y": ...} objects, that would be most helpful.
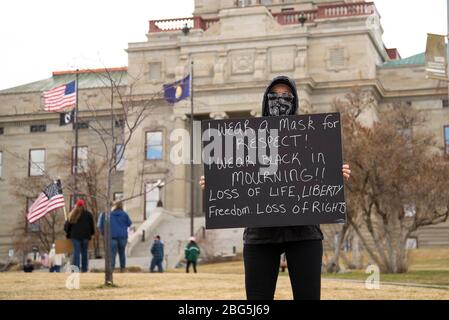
[
  {"x": 38, "y": 128},
  {"x": 153, "y": 149},
  {"x": 120, "y": 123},
  {"x": 83, "y": 125},
  {"x": 31, "y": 227},
  {"x": 118, "y": 196},
  {"x": 82, "y": 159},
  {"x": 1, "y": 163},
  {"x": 151, "y": 198},
  {"x": 2, "y": 130},
  {"x": 155, "y": 71},
  {"x": 119, "y": 157},
  {"x": 445, "y": 103},
  {"x": 243, "y": 3},
  {"x": 36, "y": 165},
  {"x": 411, "y": 243},
  {"x": 78, "y": 196},
  {"x": 409, "y": 210},
  {"x": 446, "y": 138},
  {"x": 407, "y": 134},
  {"x": 337, "y": 57}
]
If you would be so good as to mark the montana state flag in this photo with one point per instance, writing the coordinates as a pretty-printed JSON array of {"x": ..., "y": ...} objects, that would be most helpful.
[{"x": 177, "y": 91}]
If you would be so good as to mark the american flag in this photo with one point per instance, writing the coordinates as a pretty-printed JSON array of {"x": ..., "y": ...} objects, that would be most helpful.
[
  {"x": 51, "y": 198},
  {"x": 61, "y": 97}
]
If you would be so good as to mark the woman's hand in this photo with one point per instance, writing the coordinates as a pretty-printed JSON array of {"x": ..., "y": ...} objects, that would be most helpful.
[
  {"x": 202, "y": 182},
  {"x": 346, "y": 171}
]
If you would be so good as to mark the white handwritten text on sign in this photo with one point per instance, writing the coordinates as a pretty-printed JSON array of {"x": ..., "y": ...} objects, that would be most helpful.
[{"x": 273, "y": 171}]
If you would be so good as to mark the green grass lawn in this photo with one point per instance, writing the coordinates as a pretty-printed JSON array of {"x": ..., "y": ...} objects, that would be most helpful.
[
  {"x": 427, "y": 267},
  {"x": 425, "y": 277},
  {"x": 429, "y": 271}
]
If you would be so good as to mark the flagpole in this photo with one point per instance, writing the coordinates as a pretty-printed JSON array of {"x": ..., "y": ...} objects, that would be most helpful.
[
  {"x": 65, "y": 211},
  {"x": 192, "y": 184},
  {"x": 75, "y": 123},
  {"x": 447, "y": 45}
]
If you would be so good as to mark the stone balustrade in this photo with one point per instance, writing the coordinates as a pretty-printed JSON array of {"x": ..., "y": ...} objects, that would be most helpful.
[{"x": 325, "y": 11}]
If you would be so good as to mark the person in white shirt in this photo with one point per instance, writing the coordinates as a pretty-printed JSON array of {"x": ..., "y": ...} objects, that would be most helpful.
[{"x": 55, "y": 259}]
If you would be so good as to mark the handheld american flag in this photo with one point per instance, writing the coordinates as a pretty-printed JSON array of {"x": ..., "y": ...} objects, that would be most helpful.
[
  {"x": 61, "y": 97},
  {"x": 51, "y": 198}
]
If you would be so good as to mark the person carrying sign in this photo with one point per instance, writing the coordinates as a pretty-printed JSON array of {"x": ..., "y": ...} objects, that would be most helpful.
[
  {"x": 302, "y": 245},
  {"x": 79, "y": 228}
]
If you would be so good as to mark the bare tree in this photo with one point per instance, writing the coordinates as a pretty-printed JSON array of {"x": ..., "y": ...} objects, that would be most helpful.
[
  {"x": 399, "y": 178},
  {"x": 115, "y": 127},
  {"x": 335, "y": 235}
]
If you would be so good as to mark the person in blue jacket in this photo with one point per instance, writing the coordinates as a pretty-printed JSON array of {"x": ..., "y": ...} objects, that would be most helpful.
[
  {"x": 120, "y": 222},
  {"x": 157, "y": 250}
]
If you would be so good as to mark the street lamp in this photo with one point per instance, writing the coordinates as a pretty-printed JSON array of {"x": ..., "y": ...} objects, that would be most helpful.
[
  {"x": 185, "y": 29},
  {"x": 302, "y": 19},
  {"x": 159, "y": 184}
]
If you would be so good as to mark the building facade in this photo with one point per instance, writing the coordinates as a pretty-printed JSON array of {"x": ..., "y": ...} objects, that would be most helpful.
[{"x": 235, "y": 48}]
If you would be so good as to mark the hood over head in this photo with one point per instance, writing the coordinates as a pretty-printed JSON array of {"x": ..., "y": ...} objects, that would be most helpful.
[{"x": 280, "y": 80}]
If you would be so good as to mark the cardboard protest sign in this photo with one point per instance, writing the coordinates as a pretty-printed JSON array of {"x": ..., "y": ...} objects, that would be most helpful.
[
  {"x": 65, "y": 246},
  {"x": 273, "y": 171}
]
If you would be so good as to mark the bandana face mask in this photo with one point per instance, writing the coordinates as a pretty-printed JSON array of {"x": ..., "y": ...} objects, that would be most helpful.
[{"x": 280, "y": 104}]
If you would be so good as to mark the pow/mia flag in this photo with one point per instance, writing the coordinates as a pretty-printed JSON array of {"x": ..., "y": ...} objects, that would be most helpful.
[{"x": 66, "y": 118}]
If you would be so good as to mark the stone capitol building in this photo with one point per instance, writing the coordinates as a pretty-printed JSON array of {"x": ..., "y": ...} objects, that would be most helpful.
[{"x": 328, "y": 47}]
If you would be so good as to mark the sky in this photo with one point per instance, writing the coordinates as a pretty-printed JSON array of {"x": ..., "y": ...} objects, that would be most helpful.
[{"x": 41, "y": 36}]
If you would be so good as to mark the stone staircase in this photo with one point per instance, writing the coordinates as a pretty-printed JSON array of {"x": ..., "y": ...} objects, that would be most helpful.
[
  {"x": 433, "y": 236},
  {"x": 174, "y": 232}
]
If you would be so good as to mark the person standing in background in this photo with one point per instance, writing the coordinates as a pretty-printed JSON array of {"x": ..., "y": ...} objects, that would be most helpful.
[
  {"x": 80, "y": 228},
  {"x": 55, "y": 259},
  {"x": 157, "y": 250},
  {"x": 192, "y": 251},
  {"x": 120, "y": 222}
]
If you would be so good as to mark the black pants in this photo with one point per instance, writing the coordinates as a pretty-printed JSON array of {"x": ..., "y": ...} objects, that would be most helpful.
[
  {"x": 262, "y": 262},
  {"x": 188, "y": 266}
]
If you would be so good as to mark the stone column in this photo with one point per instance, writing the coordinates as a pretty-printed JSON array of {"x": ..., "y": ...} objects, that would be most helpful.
[
  {"x": 305, "y": 105},
  {"x": 179, "y": 187},
  {"x": 301, "y": 63},
  {"x": 220, "y": 68},
  {"x": 181, "y": 67},
  {"x": 260, "y": 64}
]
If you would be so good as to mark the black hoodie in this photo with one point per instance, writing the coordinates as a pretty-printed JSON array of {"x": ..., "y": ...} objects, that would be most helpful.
[
  {"x": 280, "y": 80},
  {"x": 281, "y": 234}
]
